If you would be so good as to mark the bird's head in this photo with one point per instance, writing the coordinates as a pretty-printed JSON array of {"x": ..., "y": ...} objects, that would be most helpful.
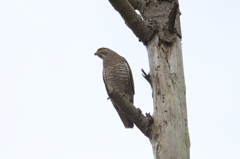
[{"x": 102, "y": 52}]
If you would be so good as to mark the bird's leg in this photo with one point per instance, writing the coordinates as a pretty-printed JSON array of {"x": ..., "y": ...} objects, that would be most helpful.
[
  {"x": 110, "y": 90},
  {"x": 124, "y": 94}
]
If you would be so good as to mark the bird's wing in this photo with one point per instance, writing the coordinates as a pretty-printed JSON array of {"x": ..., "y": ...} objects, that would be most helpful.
[
  {"x": 126, "y": 122},
  {"x": 130, "y": 76},
  {"x": 104, "y": 80}
]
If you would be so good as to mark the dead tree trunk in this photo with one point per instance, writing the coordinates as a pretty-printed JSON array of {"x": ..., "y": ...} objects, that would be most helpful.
[{"x": 158, "y": 28}]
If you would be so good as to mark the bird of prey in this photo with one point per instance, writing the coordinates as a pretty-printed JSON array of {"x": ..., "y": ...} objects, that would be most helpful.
[{"x": 117, "y": 76}]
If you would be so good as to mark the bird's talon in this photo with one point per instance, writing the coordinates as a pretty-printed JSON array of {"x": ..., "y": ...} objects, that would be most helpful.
[{"x": 123, "y": 94}]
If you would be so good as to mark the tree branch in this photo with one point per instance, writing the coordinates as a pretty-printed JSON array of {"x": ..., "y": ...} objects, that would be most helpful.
[
  {"x": 133, "y": 113},
  {"x": 147, "y": 77},
  {"x": 172, "y": 17},
  {"x": 142, "y": 29}
]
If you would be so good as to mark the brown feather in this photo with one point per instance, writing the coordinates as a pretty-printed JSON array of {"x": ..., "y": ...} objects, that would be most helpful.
[{"x": 117, "y": 76}]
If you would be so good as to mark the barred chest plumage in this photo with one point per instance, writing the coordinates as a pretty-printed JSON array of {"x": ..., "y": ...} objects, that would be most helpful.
[{"x": 117, "y": 76}]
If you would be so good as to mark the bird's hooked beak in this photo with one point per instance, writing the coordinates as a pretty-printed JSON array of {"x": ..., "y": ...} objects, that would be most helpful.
[{"x": 96, "y": 53}]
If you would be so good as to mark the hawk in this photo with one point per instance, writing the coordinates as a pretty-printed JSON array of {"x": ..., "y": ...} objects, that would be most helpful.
[{"x": 117, "y": 76}]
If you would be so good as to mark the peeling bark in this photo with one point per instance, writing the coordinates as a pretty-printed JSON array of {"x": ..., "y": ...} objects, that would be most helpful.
[{"x": 159, "y": 12}]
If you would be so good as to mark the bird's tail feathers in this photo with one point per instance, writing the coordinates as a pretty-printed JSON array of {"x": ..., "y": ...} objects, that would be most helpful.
[{"x": 126, "y": 122}]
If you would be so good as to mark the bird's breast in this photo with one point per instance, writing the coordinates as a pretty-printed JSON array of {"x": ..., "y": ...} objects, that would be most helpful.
[{"x": 117, "y": 75}]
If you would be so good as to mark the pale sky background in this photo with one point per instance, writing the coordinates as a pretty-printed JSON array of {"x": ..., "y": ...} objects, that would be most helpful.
[{"x": 53, "y": 103}]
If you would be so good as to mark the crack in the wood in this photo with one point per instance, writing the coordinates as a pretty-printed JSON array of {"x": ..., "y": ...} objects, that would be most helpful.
[
  {"x": 173, "y": 78},
  {"x": 180, "y": 101},
  {"x": 161, "y": 1},
  {"x": 165, "y": 122},
  {"x": 157, "y": 147},
  {"x": 167, "y": 60},
  {"x": 160, "y": 15}
]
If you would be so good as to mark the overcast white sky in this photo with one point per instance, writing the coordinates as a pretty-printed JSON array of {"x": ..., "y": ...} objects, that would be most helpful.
[{"x": 53, "y": 103}]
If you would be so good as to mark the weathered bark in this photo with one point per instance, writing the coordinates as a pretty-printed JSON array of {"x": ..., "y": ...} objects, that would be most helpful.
[{"x": 168, "y": 133}]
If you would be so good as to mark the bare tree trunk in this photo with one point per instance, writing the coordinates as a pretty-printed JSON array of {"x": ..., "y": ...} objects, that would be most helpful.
[
  {"x": 169, "y": 135},
  {"x": 159, "y": 30}
]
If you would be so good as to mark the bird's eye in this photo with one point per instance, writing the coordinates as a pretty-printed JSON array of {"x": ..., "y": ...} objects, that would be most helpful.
[{"x": 101, "y": 49}]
